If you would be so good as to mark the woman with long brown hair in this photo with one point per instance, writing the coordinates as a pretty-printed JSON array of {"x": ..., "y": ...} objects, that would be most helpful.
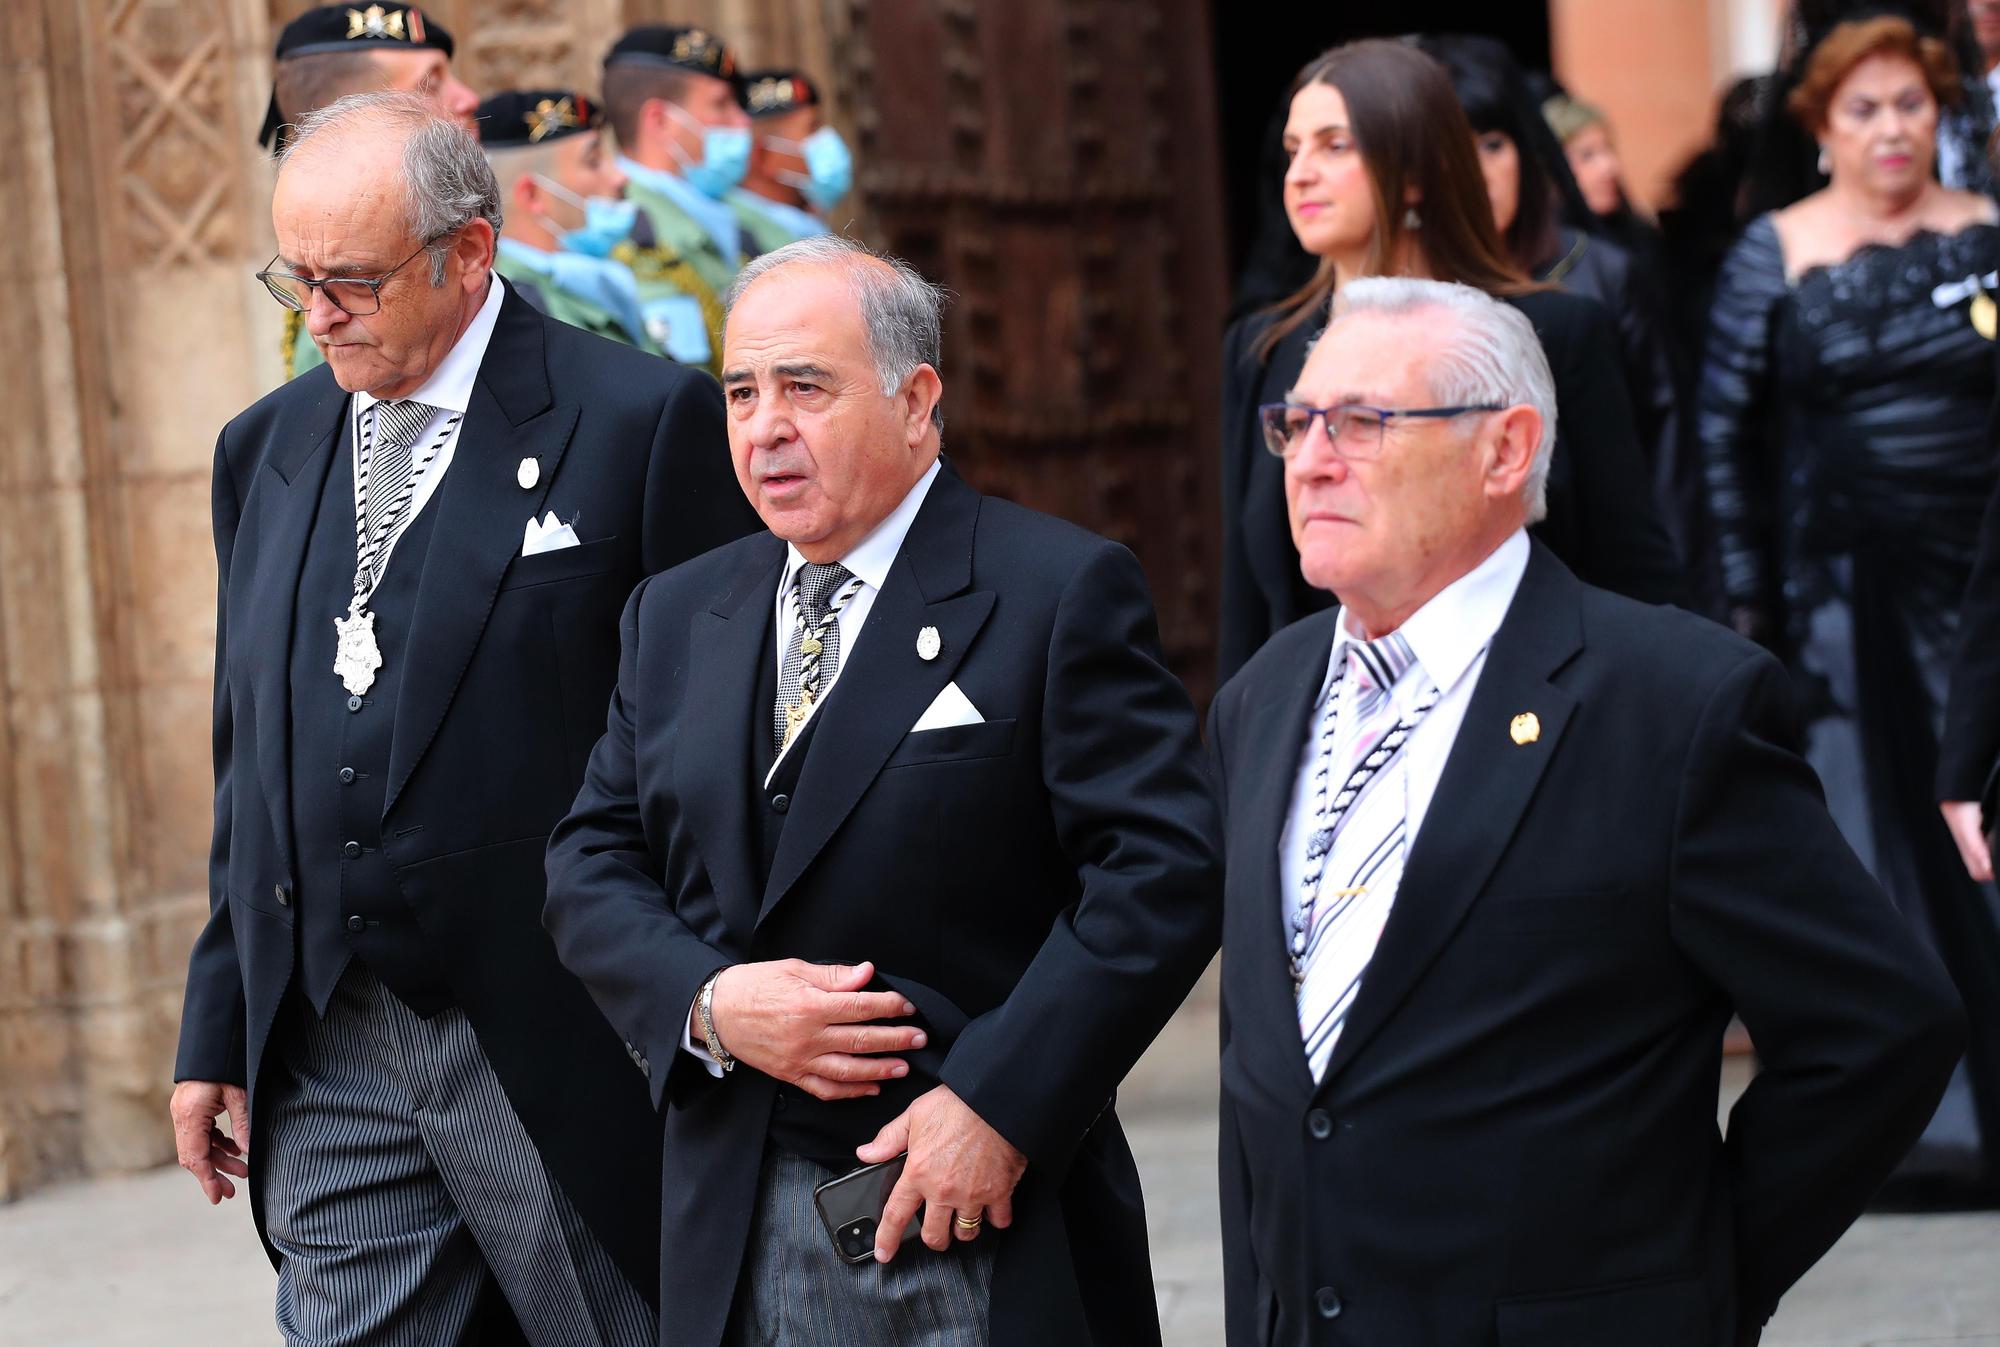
[{"x": 1382, "y": 180}]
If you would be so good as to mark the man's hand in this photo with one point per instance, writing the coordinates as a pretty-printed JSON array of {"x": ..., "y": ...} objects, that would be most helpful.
[
  {"x": 958, "y": 1168},
  {"x": 809, "y": 1025},
  {"x": 203, "y": 1150},
  {"x": 1962, "y": 817}
]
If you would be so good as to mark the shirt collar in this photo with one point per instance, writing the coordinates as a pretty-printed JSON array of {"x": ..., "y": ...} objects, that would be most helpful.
[
  {"x": 875, "y": 554},
  {"x": 715, "y": 217},
  {"x": 527, "y": 254},
  {"x": 450, "y": 384},
  {"x": 1448, "y": 633},
  {"x": 801, "y": 224}
]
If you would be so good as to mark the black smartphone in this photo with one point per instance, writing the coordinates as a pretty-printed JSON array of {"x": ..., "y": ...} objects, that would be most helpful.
[{"x": 851, "y": 1208}]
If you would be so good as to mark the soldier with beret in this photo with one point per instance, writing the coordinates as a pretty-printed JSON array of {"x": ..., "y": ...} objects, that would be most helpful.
[
  {"x": 332, "y": 51},
  {"x": 799, "y": 166},
  {"x": 673, "y": 101},
  {"x": 566, "y": 211}
]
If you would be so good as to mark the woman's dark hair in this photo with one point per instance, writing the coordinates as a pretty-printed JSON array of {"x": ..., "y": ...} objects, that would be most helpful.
[
  {"x": 1415, "y": 141},
  {"x": 1494, "y": 91}
]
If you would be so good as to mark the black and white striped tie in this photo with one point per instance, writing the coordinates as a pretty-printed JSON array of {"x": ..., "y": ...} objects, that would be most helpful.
[
  {"x": 389, "y": 471},
  {"x": 812, "y": 656}
]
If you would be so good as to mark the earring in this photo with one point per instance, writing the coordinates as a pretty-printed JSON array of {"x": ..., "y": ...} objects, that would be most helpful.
[
  {"x": 1412, "y": 220},
  {"x": 1825, "y": 164}
]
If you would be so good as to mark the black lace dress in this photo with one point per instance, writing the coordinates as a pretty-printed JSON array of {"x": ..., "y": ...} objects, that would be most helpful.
[{"x": 1843, "y": 422}]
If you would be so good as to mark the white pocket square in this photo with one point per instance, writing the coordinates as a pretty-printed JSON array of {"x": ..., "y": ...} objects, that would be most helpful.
[
  {"x": 547, "y": 535},
  {"x": 951, "y": 707}
]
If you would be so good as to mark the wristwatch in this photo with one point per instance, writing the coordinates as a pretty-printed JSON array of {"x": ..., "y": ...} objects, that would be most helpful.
[{"x": 704, "y": 1008}]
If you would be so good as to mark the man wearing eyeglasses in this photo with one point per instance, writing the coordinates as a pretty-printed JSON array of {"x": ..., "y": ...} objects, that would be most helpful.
[
  {"x": 423, "y": 551},
  {"x": 1505, "y": 853},
  {"x": 331, "y": 51}
]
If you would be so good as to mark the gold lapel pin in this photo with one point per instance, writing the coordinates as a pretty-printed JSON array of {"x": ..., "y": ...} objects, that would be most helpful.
[{"x": 1526, "y": 728}]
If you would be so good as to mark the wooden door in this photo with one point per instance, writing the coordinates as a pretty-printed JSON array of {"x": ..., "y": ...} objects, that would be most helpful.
[{"x": 1053, "y": 163}]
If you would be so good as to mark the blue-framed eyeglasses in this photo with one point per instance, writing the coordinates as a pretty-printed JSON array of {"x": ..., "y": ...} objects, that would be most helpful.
[{"x": 1356, "y": 431}]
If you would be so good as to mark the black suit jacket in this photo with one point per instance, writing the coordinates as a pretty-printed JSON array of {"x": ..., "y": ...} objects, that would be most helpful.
[
  {"x": 512, "y": 662},
  {"x": 1969, "y": 753},
  {"x": 1604, "y": 518},
  {"x": 1514, "y": 1142},
  {"x": 1048, "y": 880}
]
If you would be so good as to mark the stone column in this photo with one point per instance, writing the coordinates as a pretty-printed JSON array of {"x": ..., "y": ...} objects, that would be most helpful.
[{"x": 132, "y": 334}]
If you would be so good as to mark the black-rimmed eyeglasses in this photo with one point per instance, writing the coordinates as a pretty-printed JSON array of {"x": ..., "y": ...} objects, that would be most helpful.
[
  {"x": 355, "y": 296},
  {"x": 1356, "y": 431}
]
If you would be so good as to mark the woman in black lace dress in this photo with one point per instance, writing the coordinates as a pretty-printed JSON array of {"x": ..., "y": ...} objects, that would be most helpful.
[{"x": 1842, "y": 414}]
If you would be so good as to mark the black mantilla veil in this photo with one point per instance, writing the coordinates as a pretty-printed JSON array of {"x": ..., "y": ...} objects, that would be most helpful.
[{"x": 1784, "y": 163}]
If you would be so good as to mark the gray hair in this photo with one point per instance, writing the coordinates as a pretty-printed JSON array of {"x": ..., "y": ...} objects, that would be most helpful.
[
  {"x": 447, "y": 183},
  {"x": 901, "y": 312},
  {"x": 1489, "y": 354}
]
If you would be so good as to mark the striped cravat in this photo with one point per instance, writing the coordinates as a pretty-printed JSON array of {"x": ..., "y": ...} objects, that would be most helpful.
[
  {"x": 388, "y": 477},
  {"x": 1354, "y": 857},
  {"x": 812, "y": 656}
]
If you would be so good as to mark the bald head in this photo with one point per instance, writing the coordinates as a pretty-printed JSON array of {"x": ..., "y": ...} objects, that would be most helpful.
[{"x": 368, "y": 182}]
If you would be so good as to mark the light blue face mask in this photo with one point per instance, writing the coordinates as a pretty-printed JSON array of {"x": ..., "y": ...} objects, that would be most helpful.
[
  {"x": 829, "y": 173},
  {"x": 725, "y": 155},
  {"x": 607, "y": 220}
]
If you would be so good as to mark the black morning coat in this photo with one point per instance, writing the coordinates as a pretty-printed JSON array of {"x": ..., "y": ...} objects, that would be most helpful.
[
  {"x": 1604, "y": 517},
  {"x": 503, "y": 695},
  {"x": 1044, "y": 885},
  {"x": 1514, "y": 1143}
]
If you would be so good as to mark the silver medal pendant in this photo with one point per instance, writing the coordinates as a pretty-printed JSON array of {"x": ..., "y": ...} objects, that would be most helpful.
[{"x": 357, "y": 657}]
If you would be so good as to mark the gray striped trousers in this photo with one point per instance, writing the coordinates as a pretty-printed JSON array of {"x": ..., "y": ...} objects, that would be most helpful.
[
  {"x": 399, "y": 1186},
  {"x": 795, "y": 1291}
]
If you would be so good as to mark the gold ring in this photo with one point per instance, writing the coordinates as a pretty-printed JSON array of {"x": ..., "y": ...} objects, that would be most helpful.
[{"x": 963, "y": 1224}]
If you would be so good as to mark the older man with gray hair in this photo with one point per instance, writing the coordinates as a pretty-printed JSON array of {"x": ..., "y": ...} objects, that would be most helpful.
[
  {"x": 1505, "y": 853},
  {"x": 897, "y": 853},
  {"x": 423, "y": 548}
]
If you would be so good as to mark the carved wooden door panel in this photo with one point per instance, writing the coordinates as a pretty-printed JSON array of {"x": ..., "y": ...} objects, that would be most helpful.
[{"x": 1053, "y": 163}]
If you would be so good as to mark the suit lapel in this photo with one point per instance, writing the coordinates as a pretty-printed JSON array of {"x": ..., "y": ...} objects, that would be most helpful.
[
  {"x": 482, "y": 509},
  {"x": 1277, "y": 733},
  {"x": 727, "y": 643},
  {"x": 887, "y": 685},
  {"x": 290, "y": 500},
  {"x": 1487, "y": 784}
]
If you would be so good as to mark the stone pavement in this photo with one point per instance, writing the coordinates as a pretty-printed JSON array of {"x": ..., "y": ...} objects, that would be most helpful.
[{"x": 139, "y": 1261}]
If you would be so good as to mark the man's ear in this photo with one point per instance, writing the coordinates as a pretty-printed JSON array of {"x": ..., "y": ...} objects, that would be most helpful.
[
  {"x": 921, "y": 392},
  {"x": 525, "y": 195},
  {"x": 474, "y": 250},
  {"x": 1512, "y": 437}
]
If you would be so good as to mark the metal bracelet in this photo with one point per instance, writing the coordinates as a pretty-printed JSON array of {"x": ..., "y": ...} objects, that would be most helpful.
[{"x": 704, "y": 1006}]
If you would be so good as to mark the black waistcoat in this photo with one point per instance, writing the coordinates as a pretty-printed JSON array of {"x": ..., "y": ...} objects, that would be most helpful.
[
  {"x": 824, "y": 1131},
  {"x": 349, "y": 902}
]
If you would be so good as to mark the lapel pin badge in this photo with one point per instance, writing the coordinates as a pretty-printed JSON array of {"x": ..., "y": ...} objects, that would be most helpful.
[
  {"x": 1526, "y": 728},
  {"x": 529, "y": 473},
  {"x": 928, "y": 644}
]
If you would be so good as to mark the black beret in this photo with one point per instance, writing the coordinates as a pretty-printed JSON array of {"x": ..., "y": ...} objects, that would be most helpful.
[
  {"x": 350, "y": 27},
  {"x": 520, "y": 117},
  {"x": 694, "y": 49},
  {"x": 769, "y": 93},
  {"x": 336, "y": 28}
]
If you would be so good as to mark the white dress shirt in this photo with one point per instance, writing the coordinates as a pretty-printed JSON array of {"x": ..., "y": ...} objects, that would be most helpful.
[
  {"x": 449, "y": 390},
  {"x": 869, "y": 560},
  {"x": 1449, "y": 636}
]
